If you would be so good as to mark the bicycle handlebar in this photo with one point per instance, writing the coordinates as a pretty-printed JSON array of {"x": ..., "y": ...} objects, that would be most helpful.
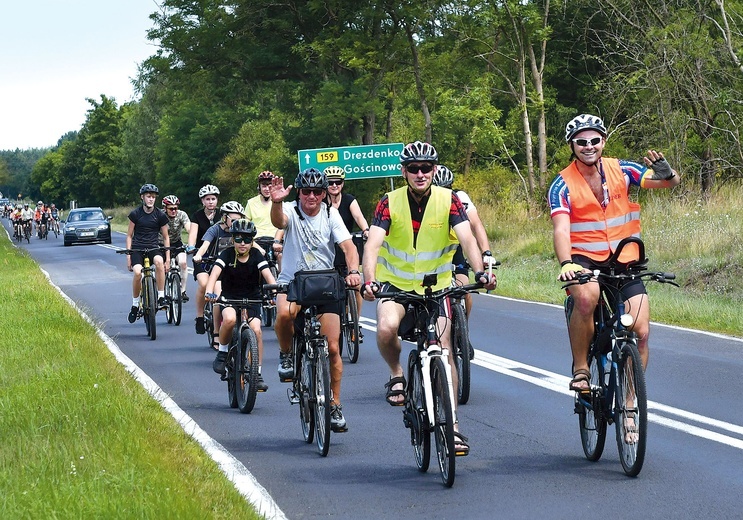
[
  {"x": 404, "y": 296},
  {"x": 658, "y": 276}
]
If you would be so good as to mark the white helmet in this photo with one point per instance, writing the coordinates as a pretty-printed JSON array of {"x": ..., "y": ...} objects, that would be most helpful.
[
  {"x": 584, "y": 122},
  {"x": 232, "y": 206},
  {"x": 209, "y": 189}
]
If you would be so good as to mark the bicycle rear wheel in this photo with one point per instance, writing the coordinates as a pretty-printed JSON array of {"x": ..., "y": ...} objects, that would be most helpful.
[
  {"x": 443, "y": 422},
  {"x": 230, "y": 368},
  {"x": 414, "y": 414},
  {"x": 246, "y": 370},
  {"x": 631, "y": 413},
  {"x": 209, "y": 322},
  {"x": 461, "y": 349},
  {"x": 269, "y": 310},
  {"x": 322, "y": 398},
  {"x": 150, "y": 307},
  {"x": 175, "y": 300},
  {"x": 591, "y": 418},
  {"x": 351, "y": 330}
]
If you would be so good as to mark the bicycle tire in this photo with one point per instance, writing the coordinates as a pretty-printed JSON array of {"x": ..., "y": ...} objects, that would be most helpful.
[
  {"x": 415, "y": 416},
  {"x": 169, "y": 314},
  {"x": 230, "y": 368},
  {"x": 246, "y": 370},
  {"x": 209, "y": 322},
  {"x": 322, "y": 398},
  {"x": 269, "y": 311},
  {"x": 591, "y": 419},
  {"x": 461, "y": 348},
  {"x": 304, "y": 389},
  {"x": 151, "y": 307},
  {"x": 351, "y": 329},
  {"x": 631, "y": 380},
  {"x": 176, "y": 299},
  {"x": 443, "y": 422}
]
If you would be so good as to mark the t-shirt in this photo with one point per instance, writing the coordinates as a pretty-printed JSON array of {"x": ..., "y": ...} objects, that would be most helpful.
[
  {"x": 241, "y": 280},
  {"x": 175, "y": 226},
  {"x": 204, "y": 223},
  {"x": 218, "y": 239},
  {"x": 309, "y": 242},
  {"x": 260, "y": 215},
  {"x": 147, "y": 227}
]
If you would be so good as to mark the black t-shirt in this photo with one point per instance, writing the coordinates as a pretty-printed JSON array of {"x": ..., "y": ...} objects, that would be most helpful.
[
  {"x": 147, "y": 227},
  {"x": 204, "y": 223},
  {"x": 241, "y": 279}
]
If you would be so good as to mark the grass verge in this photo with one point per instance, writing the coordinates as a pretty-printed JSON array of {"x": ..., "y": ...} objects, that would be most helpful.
[{"x": 80, "y": 437}]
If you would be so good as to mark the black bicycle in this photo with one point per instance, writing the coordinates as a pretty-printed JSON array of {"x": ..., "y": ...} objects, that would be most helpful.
[
  {"x": 350, "y": 330},
  {"x": 148, "y": 292},
  {"x": 268, "y": 309},
  {"x": 429, "y": 401},
  {"x": 173, "y": 287},
  {"x": 618, "y": 394},
  {"x": 241, "y": 367}
]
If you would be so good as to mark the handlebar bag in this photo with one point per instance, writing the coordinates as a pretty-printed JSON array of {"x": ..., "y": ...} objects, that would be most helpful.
[{"x": 316, "y": 287}]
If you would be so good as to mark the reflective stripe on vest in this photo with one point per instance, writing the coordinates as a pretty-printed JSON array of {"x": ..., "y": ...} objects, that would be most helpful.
[
  {"x": 594, "y": 231},
  {"x": 401, "y": 264}
]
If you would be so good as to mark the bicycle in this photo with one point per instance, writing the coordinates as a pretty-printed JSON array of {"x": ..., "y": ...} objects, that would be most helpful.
[
  {"x": 173, "y": 288},
  {"x": 27, "y": 231},
  {"x": 617, "y": 380},
  {"x": 268, "y": 309},
  {"x": 148, "y": 293},
  {"x": 429, "y": 400},
  {"x": 241, "y": 367},
  {"x": 55, "y": 227},
  {"x": 350, "y": 329},
  {"x": 311, "y": 379},
  {"x": 209, "y": 308}
]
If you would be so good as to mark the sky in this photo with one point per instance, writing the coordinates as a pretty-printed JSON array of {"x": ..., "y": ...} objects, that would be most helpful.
[{"x": 56, "y": 53}]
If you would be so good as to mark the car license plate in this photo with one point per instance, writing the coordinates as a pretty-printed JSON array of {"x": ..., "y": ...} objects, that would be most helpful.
[{"x": 87, "y": 233}]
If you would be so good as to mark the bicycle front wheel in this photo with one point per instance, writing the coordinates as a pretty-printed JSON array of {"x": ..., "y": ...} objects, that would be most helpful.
[
  {"x": 443, "y": 422},
  {"x": 150, "y": 308},
  {"x": 209, "y": 322},
  {"x": 591, "y": 419},
  {"x": 461, "y": 347},
  {"x": 631, "y": 411},
  {"x": 322, "y": 398},
  {"x": 304, "y": 388},
  {"x": 246, "y": 370},
  {"x": 351, "y": 330},
  {"x": 415, "y": 416},
  {"x": 175, "y": 300}
]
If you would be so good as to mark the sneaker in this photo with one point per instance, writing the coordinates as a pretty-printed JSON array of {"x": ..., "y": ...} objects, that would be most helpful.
[
  {"x": 337, "y": 421},
  {"x": 260, "y": 384},
  {"x": 200, "y": 327},
  {"x": 184, "y": 297},
  {"x": 472, "y": 351},
  {"x": 133, "y": 314},
  {"x": 162, "y": 302},
  {"x": 219, "y": 362},
  {"x": 286, "y": 368}
]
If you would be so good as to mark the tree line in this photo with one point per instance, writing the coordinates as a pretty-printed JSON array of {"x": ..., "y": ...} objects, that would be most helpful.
[{"x": 238, "y": 87}]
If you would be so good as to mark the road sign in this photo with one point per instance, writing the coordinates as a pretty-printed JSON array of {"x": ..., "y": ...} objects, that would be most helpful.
[{"x": 359, "y": 162}]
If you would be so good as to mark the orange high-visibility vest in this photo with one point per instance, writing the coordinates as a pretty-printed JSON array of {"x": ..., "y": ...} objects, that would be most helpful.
[{"x": 595, "y": 231}]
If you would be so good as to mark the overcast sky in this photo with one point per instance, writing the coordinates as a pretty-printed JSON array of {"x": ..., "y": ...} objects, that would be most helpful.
[{"x": 56, "y": 53}]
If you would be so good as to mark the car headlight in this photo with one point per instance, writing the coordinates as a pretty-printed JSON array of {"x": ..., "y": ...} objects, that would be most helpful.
[
  {"x": 70, "y": 228},
  {"x": 102, "y": 226}
]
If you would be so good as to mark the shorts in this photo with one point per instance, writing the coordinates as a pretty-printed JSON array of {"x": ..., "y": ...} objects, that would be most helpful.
[
  {"x": 628, "y": 289},
  {"x": 138, "y": 258},
  {"x": 406, "y": 328},
  {"x": 199, "y": 267},
  {"x": 254, "y": 309}
]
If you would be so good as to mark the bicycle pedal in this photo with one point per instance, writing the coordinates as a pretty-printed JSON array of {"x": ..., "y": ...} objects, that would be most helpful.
[{"x": 293, "y": 398}]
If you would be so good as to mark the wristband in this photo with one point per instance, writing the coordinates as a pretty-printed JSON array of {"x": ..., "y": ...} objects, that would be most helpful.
[
  {"x": 354, "y": 272},
  {"x": 487, "y": 253},
  {"x": 278, "y": 241},
  {"x": 565, "y": 262}
]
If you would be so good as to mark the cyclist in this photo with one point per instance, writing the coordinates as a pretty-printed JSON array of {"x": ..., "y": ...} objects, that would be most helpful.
[
  {"x": 350, "y": 211},
  {"x": 177, "y": 221},
  {"x": 591, "y": 212},
  {"x": 37, "y": 217},
  {"x": 410, "y": 236},
  {"x": 202, "y": 220},
  {"x": 216, "y": 239},
  {"x": 27, "y": 216},
  {"x": 444, "y": 177},
  {"x": 17, "y": 218},
  {"x": 56, "y": 215},
  {"x": 239, "y": 270},
  {"x": 145, "y": 222},
  {"x": 311, "y": 228},
  {"x": 44, "y": 221},
  {"x": 258, "y": 211}
]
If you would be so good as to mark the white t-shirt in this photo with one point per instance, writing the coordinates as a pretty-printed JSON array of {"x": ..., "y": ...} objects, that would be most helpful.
[
  {"x": 466, "y": 201},
  {"x": 309, "y": 243}
]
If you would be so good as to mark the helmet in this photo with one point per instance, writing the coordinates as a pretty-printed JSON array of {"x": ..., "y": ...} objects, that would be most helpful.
[
  {"x": 148, "y": 188},
  {"x": 53, "y": 205},
  {"x": 208, "y": 190},
  {"x": 418, "y": 151},
  {"x": 171, "y": 200},
  {"x": 334, "y": 172},
  {"x": 39, "y": 203},
  {"x": 443, "y": 176},
  {"x": 311, "y": 178},
  {"x": 25, "y": 205},
  {"x": 584, "y": 122},
  {"x": 244, "y": 227},
  {"x": 232, "y": 206},
  {"x": 265, "y": 176}
]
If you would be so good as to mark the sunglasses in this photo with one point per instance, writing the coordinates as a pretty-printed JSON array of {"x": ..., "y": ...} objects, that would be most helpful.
[
  {"x": 317, "y": 192},
  {"x": 241, "y": 239},
  {"x": 173, "y": 208},
  {"x": 419, "y": 168},
  {"x": 585, "y": 142},
  {"x": 335, "y": 183}
]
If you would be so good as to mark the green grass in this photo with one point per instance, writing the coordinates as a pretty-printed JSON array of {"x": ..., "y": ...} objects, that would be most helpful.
[{"x": 79, "y": 437}]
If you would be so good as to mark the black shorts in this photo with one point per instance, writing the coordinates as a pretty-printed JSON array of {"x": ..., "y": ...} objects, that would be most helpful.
[
  {"x": 628, "y": 290},
  {"x": 254, "y": 309},
  {"x": 200, "y": 267},
  {"x": 138, "y": 258},
  {"x": 407, "y": 325},
  {"x": 460, "y": 262}
]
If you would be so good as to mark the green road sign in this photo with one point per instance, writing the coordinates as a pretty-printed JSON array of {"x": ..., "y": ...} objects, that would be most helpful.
[{"x": 359, "y": 162}]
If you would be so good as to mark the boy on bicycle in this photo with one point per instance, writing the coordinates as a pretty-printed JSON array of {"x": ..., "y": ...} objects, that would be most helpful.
[
  {"x": 178, "y": 221},
  {"x": 239, "y": 269}
]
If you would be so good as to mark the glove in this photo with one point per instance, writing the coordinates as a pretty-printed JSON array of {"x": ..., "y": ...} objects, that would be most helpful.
[
  {"x": 662, "y": 170},
  {"x": 211, "y": 296},
  {"x": 190, "y": 248},
  {"x": 482, "y": 275},
  {"x": 570, "y": 266}
]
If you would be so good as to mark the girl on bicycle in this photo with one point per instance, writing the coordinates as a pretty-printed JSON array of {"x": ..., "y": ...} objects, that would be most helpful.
[{"x": 239, "y": 269}]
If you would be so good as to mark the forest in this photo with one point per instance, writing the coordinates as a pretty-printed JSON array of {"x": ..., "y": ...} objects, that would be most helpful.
[{"x": 237, "y": 87}]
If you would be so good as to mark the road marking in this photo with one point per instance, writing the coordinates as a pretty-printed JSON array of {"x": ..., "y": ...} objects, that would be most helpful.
[{"x": 559, "y": 383}]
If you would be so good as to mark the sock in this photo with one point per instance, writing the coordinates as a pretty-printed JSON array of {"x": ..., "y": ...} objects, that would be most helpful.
[
  {"x": 161, "y": 294},
  {"x": 223, "y": 348},
  {"x": 135, "y": 302},
  {"x": 259, "y": 369}
]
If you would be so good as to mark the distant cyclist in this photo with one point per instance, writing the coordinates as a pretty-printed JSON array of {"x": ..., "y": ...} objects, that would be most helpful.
[
  {"x": 202, "y": 220},
  {"x": 178, "y": 221}
]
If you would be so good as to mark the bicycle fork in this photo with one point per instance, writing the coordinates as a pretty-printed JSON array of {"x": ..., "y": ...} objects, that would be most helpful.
[{"x": 434, "y": 350}]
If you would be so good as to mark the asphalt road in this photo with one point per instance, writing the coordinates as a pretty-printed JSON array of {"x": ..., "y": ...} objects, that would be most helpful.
[{"x": 526, "y": 460}]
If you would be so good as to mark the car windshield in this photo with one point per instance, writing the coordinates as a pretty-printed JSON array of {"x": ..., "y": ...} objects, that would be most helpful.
[{"x": 79, "y": 216}]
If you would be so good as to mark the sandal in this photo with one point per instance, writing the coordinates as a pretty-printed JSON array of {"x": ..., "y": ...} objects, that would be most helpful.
[
  {"x": 631, "y": 433},
  {"x": 581, "y": 376},
  {"x": 461, "y": 446},
  {"x": 215, "y": 344},
  {"x": 399, "y": 380}
]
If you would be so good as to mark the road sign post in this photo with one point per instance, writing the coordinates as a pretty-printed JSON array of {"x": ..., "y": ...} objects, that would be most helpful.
[{"x": 359, "y": 162}]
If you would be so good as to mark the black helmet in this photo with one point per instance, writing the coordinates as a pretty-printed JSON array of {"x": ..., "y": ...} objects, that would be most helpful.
[
  {"x": 311, "y": 178},
  {"x": 148, "y": 188},
  {"x": 419, "y": 151},
  {"x": 243, "y": 226},
  {"x": 443, "y": 176}
]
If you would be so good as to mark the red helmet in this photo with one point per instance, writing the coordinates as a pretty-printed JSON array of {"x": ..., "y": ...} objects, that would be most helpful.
[
  {"x": 265, "y": 176},
  {"x": 171, "y": 200}
]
